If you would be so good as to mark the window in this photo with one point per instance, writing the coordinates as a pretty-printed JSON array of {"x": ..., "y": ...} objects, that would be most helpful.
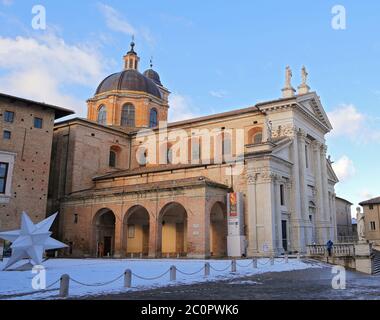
[
  {"x": 7, "y": 135},
  {"x": 128, "y": 116},
  {"x": 131, "y": 231},
  {"x": 102, "y": 115},
  {"x": 3, "y": 176},
  {"x": 373, "y": 225},
  {"x": 9, "y": 116},
  {"x": 258, "y": 138},
  {"x": 153, "y": 118},
  {"x": 112, "y": 159},
  {"x": 282, "y": 194},
  {"x": 170, "y": 155},
  {"x": 195, "y": 150},
  {"x": 38, "y": 123},
  {"x": 227, "y": 146},
  {"x": 75, "y": 218},
  {"x": 371, "y": 207},
  {"x": 307, "y": 156}
]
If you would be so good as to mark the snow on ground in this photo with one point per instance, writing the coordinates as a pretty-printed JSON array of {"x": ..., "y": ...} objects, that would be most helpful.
[{"x": 14, "y": 284}]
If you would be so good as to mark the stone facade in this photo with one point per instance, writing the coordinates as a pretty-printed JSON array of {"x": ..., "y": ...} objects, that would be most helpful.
[
  {"x": 372, "y": 220},
  {"x": 344, "y": 221},
  {"x": 174, "y": 202},
  {"x": 26, "y": 153}
]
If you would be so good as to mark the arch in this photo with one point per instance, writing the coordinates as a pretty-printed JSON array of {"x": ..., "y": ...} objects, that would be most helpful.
[
  {"x": 218, "y": 230},
  {"x": 136, "y": 231},
  {"x": 255, "y": 135},
  {"x": 102, "y": 115},
  {"x": 104, "y": 230},
  {"x": 153, "y": 118},
  {"x": 128, "y": 114},
  {"x": 172, "y": 226}
]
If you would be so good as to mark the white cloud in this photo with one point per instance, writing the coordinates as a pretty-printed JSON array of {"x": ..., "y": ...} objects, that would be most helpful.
[
  {"x": 7, "y": 2},
  {"x": 115, "y": 21},
  {"x": 366, "y": 195},
  {"x": 181, "y": 108},
  {"x": 344, "y": 168},
  {"x": 348, "y": 122},
  {"x": 218, "y": 94},
  {"x": 41, "y": 68}
]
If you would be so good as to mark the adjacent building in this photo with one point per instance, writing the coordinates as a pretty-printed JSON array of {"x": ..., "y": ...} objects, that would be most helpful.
[
  {"x": 126, "y": 182},
  {"x": 344, "y": 220},
  {"x": 26, "y": 129},
  {"x": 372, "y": 219}
]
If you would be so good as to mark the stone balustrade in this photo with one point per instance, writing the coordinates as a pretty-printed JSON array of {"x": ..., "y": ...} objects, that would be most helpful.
[{"x": 339, "y": 250}]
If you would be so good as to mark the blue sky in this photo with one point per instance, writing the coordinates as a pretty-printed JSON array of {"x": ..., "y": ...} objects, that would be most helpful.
[{"x": 213, "y": 56}]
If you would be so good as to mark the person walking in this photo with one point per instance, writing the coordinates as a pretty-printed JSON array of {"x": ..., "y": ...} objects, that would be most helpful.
[{"x": 329, "y": 245}]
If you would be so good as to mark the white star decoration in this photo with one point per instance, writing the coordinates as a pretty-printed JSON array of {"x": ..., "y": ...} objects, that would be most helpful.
[{"x": 31, "y": 241}]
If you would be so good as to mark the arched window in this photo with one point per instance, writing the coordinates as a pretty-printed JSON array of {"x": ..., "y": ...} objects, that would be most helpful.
[
  {"x": 112, "y": 159},
  {"x": 102, "y": 115},
  {"x": 153, "y": 118},
  {"x": 128, "y": 116},
  {"x": 258, "y": 138},
  {"x": 255, "y": 135}
]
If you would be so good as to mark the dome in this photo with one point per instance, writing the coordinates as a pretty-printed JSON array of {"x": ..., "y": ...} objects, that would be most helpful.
[
  {"x": 153, "y": 75},
  {"x": 129, "y": 80}
]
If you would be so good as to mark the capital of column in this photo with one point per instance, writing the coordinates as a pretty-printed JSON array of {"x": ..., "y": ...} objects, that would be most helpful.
[
  {"x": 324, "y": 150},
  {"x": 252, "y": 178},
  {"x": 302, "y": 134},
  {"x": 316, "y": 145}
]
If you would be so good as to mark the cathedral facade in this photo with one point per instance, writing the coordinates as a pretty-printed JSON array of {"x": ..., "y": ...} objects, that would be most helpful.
[{"x": 127, "y": 183}]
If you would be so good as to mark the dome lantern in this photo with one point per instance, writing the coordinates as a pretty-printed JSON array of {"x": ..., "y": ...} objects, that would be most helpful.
[{"x": 131, "y": 59}]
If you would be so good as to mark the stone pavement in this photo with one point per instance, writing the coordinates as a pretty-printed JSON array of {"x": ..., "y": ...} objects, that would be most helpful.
[{"x": 309, "y": 284}]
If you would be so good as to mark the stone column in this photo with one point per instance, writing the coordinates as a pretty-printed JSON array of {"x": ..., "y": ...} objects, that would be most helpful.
[
  {"x": 253, "y": 246},
  {"x": 319, "y": 219},
  {"x": 325, "y": 197},
  {"x": 118, "y": 237},
  {"x": 296, "y": 216},
  {"x": 303, "y": 186},
  {"x": 154, "y": 236}
]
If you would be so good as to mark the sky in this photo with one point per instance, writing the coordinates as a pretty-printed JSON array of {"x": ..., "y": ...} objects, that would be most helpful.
[{"x": 213, "y": 56}]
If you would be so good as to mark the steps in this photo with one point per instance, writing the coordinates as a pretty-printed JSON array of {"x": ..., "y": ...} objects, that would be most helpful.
[{"x": 376, "y": 262}]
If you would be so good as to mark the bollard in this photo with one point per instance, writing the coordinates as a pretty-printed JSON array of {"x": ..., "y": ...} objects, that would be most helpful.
[
  {"x": 64, "y": 286},
  {"x": 254, "y": 263},
  {"x": 272, "y": 260},
  {"x": 298, "y": 256},
  {"x": 168, "y": 256},
  {"x": 178, "y": 256},
  {"x": 286, "y": 258},
  {"x": 132, "y": 255},
  {"x": 207, "y": 269},
  {"x": 173, "y": 273},
  {"x": 141, "y": 255},
  {"x": 128, "y": 279},
  {"x": 233, "y": 266}
]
